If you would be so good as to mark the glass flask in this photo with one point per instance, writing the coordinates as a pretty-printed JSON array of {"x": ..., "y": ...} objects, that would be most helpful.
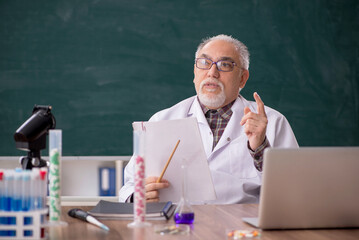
[{"x": 184, "y": 213}]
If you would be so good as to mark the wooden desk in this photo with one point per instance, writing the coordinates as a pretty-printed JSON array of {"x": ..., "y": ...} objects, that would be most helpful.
[{"x": 211, "y": 222}]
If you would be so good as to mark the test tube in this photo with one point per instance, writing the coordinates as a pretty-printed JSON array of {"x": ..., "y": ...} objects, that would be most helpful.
[
  {"x": 55, "y": 151},
  {"x": 16, "y": 204},
  {"x": 35, "y": 176},
  {"x": 43, "y": 187},
  {"x": 1, "y": 189},
  {"x": 139, "y": 194},
  {"x": 3, "y": 220},
  {"x": 8, "y": 196},
  {"x": 42, "y": 191},
  {"x": 27, "y": 196},
  {"x": 26, "y": 191}
]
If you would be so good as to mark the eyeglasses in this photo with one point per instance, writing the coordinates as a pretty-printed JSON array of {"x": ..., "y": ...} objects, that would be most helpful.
[{"x": 222, "y": 65}]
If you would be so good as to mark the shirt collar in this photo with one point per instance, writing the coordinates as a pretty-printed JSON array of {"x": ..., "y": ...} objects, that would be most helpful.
[{"x": 225, "y": 112}]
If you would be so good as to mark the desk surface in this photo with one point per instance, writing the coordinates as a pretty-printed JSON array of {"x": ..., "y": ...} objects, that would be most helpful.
[{"x": 211, "y": 222}]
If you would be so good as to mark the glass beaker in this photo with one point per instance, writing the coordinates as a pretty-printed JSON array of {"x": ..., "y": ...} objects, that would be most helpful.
[{"x": 184, "y": 213}]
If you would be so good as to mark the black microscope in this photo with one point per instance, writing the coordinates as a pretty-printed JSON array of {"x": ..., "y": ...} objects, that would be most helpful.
[{"x": 31, "y": 136}]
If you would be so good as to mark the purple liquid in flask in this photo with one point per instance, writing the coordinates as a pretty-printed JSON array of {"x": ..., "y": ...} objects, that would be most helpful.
[{"x": 184, "y": 218}]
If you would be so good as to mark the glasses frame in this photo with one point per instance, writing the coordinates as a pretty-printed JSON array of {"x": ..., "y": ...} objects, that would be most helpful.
[{"x": 213, "y": 62}]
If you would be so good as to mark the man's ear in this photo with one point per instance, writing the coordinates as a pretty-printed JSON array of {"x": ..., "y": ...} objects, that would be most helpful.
[{"x": 244, "y": 78}]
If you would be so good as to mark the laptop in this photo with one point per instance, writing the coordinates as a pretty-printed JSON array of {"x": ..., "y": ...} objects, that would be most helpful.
[{"x": 309, "y": 187}]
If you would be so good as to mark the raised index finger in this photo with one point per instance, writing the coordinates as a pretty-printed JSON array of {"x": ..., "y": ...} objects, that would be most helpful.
[{"x": 260, "y": 104}]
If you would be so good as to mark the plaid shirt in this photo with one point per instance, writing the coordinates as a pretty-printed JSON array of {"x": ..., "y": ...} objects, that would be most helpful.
[{"x": 218, "y": 120}]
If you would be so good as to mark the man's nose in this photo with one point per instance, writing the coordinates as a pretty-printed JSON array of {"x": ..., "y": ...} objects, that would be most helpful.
[{"x": 213, "y": 71}]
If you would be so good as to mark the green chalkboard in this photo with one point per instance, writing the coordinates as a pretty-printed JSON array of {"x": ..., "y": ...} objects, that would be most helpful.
[{"x": 102, "y": 64}]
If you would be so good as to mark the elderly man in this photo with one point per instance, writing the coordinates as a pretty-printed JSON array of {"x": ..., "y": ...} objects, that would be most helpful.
[{"x": 234, "y": 131}]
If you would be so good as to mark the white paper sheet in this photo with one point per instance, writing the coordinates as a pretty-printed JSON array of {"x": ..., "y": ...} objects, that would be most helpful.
[{"x": 160, "y": 139}]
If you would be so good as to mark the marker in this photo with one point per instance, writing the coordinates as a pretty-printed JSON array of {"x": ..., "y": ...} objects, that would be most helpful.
[{"x": 84, "y": 216}]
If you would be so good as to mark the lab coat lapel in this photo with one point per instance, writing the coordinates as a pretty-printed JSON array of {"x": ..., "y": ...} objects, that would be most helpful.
[
  {"x": 205, "y": 130},
  {"x": 196, "y": 111}
]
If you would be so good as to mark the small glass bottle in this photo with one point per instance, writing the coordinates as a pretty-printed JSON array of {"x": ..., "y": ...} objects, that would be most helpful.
[{"x": 184, "y": 213}]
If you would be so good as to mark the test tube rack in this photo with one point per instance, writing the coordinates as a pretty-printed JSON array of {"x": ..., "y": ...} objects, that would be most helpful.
[{"x": 20, "y": 227}]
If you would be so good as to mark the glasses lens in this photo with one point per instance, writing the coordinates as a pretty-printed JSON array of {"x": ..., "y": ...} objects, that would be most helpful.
[
  {"x": 225, "y": 66},
  {"x": 203, "y": 63}
]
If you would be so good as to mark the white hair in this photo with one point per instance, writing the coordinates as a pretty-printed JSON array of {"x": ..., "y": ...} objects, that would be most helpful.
[{"x": 240, "y": 47}]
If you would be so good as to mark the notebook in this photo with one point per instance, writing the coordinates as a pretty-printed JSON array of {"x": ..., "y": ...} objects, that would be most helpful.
[
  {"x": 119, "y": 210},
  {"x": 309, "y": 187}
]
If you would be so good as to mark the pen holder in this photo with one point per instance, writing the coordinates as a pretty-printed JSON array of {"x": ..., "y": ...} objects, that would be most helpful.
[{"x": 139, "y": 194}]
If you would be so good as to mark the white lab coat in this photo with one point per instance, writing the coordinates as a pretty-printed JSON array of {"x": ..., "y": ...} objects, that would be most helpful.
[{"x": 235, "y": 178}]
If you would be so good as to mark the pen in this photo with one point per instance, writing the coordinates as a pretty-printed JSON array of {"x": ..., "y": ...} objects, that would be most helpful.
[
  {"x": 84, "y": 216},
  {"x": 168, "y": 162}
]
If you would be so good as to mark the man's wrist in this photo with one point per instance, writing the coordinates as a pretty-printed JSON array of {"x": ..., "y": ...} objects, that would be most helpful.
[
  {"x": 263, "y": 146},
  {"x": 257, "y": 155}
]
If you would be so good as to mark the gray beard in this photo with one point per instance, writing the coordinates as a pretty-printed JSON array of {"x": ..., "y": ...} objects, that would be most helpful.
[{"x": 212, "y": 101}]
